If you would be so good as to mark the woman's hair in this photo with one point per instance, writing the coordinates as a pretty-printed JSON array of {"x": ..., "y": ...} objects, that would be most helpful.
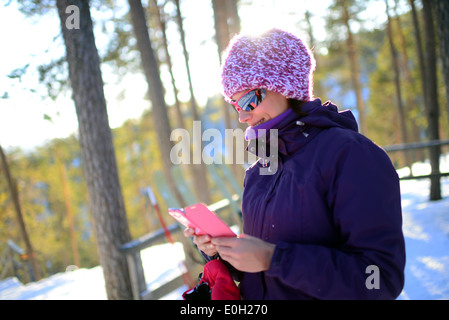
[{"x": 296, "y": 106}]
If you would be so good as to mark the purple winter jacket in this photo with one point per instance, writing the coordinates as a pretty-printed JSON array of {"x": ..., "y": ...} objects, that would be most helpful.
[{"x": 332, "y": 208}]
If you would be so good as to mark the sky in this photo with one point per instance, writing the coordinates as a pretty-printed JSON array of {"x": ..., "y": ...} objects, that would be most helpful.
[{"x": 36, "y": 40}]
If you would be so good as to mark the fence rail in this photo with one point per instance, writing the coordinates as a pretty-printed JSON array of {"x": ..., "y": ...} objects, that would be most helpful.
[
  {"x": 14, "y": 258},
  {"x": 414, "y": 146},
  {"x": 132, "y": 252}
]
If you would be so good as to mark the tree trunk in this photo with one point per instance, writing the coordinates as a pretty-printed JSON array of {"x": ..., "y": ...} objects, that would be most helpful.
[
  {"x": 227, "y": 24},
  {"x": 193, "y": 105},
  {"x": 97, "y": 148},
  {"x": 69, "y": 212},
  {"x": 355, "y": 69},
  {"x": 222, "y": 39},
  {"x": 316, "y": 84},
  {"x": 160, "y": 117},
  {"x": 162, "y": 25},
  {"x": 155, "y": 90},
  {"x": 199, "y": 170},
  {"x": 397, "y": 83},
  {"x": 441, "y": 9},
  {"x": 411, "y": 97},
  {"x": 20, "y": 221},
  {"x": 233, "y": 17},
  {"x": 419, "y": 50},
  {"x": 432, "y": 109}
]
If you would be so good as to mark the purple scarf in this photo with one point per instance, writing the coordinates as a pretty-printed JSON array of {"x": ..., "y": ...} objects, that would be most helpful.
[{"x": 253, "y": 132}]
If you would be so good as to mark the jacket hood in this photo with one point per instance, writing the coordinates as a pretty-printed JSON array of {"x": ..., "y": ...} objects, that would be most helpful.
[
  {"x": 294, "y": 131},
  {"x": 327, "y": 115}
]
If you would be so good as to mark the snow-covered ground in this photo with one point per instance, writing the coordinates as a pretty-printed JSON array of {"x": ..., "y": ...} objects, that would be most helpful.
[
  {"x": 426, "y": 231},
  {"x": 161, "y": 264}
]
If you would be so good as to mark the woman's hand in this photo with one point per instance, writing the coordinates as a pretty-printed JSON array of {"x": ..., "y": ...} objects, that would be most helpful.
[
  {"x": 203, "y": 242},
  {"x": 245, "y": 253}
]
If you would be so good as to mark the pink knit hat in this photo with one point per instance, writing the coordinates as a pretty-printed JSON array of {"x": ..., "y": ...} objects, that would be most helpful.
[{"x": 277, "y": 61}]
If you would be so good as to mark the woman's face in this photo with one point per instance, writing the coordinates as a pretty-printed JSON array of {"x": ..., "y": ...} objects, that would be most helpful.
[{"x": 273, "y": 105}]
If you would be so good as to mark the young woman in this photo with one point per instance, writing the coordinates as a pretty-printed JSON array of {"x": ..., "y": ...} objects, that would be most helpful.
[{"x": 327, "y": 223}]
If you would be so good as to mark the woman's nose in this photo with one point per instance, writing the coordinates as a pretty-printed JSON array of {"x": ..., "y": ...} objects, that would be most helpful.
[{"x": 244, "y": 116}]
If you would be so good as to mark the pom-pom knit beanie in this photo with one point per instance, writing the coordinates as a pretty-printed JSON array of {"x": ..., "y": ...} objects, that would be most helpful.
[{"x": 277, "y": 61}]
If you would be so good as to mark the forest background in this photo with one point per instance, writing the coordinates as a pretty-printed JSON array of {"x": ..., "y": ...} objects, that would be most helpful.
[{"x": 367, "y": 61}]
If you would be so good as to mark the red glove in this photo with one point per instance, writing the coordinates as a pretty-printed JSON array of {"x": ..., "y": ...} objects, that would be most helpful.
[{"x": 217, "y": 278}]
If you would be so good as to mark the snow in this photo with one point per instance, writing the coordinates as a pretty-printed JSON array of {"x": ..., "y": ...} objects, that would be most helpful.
[
  {"x": 88, "y": 284},
  {"x": 426, "y": 232}
]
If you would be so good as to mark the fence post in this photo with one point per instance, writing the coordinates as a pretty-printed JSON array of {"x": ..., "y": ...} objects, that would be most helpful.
[
  {"x": 136, "y": 274},
  {"x": 435, "y": 175}
]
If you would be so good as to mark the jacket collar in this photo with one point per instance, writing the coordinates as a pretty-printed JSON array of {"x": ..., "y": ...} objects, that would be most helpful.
[
  {"x": 289, "y": 136},
  {"x": 293, "y": 132}
]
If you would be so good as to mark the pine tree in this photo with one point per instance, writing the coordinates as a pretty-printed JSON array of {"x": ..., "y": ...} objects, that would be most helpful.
[{"x": 96, "y": 145}]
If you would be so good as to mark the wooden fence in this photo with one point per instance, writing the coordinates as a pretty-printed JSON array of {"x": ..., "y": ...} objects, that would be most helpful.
[
  {"x": 15, "y": 258},
  {"x": 414, "y": 146},
  {"x": 132, "y": 252}
]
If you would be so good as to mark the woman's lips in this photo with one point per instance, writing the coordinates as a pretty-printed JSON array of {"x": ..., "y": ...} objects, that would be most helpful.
[{"x": 258, "y": 123}]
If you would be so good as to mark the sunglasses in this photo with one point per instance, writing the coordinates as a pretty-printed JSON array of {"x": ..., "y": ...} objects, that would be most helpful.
[{"x": 249, "y": 100}]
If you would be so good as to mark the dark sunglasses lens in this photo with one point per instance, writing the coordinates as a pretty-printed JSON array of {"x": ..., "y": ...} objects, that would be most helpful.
[{"x": 252, "y": 99}]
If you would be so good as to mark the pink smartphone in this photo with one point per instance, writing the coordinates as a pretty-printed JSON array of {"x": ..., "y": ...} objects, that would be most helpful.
[{"x": 198, "y": 216}]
